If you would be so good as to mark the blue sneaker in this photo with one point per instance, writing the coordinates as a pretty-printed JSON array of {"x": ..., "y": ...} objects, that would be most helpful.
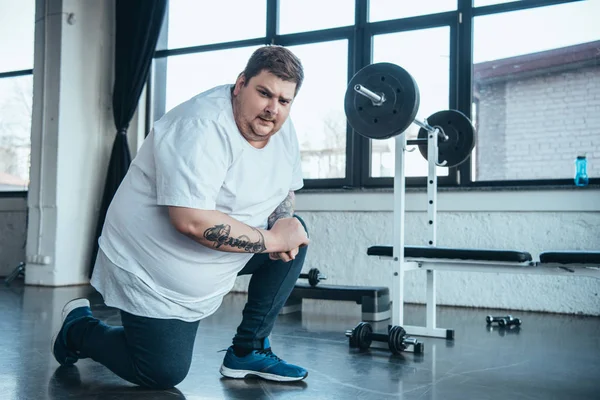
[
  {"x": 262, "y": 363},
  {"x": 73, "y": 311}
]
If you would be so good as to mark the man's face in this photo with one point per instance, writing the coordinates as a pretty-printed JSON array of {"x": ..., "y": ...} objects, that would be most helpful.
[{"x": 261, "y": 107}]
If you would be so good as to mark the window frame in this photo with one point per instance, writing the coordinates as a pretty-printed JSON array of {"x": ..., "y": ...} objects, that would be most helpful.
[{"x": 360, "y": 45}]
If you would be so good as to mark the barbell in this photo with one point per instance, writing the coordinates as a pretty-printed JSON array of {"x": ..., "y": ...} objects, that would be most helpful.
[{"x": 382, "y": 101}]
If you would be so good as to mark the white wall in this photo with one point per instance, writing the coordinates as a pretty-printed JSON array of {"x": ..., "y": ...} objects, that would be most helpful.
[{"x": 13, "y": 222}]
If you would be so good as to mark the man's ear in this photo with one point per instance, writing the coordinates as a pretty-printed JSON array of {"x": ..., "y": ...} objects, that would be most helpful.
[{"x": 239, "y": 83}]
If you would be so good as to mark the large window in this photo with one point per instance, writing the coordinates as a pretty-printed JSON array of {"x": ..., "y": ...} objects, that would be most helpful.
[
  {"x": 318, "y": 111},
  {"x": 16, "y": 92},
  {"x": 536, "y": 92},
  {"x": 432, "y": 74},
  {"x": 525, "y": 72}
]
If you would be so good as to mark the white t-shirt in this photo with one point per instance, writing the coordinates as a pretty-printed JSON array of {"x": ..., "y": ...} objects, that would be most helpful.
[{"x": 194, "y": 157}]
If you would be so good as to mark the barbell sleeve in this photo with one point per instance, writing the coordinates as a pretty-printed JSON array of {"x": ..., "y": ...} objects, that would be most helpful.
[
  {"x": 431, "y": 129},
  {"x": 425, "y": 126},
  {"x": 374, "y": 97}
]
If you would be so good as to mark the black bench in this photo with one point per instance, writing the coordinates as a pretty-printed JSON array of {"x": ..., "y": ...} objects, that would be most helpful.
[
  {"x": 570, "y": 257},
  {"x": 453, "y": 254},
  {"x": 375, "y": 300}
]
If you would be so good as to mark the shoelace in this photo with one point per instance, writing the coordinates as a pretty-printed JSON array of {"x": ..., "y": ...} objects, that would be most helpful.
[{"x": 268, "y": 353}]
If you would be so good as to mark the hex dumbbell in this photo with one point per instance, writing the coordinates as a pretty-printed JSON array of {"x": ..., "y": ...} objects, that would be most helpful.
[{"x": 506, "y": 320}]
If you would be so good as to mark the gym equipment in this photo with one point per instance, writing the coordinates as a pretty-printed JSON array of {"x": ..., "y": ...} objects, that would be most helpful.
[
  {"x": 362, "y": 336},
  {"x": 509, "y": 322},
  {"x": 506, "y": 320},
  {"x": 382, "y": 101},
  {"x": 378, "y": 109},
  {"x": 374, "y": 300},
  {"x": 314, "y": 276},
  {"x": 457, "y": 141}
]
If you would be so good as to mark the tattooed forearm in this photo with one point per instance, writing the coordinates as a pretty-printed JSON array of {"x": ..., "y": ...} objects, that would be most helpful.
[
  {"x": 219, "y": 234},
  {"x": 284, "y": 210}
]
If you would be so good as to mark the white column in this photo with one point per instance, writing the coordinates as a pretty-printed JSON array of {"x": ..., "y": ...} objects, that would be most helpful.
[{"x": 71, "y": 136}]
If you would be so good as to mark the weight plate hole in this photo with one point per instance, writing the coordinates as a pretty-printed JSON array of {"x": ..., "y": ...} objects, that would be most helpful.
[
  {"x": 449, "y": 122},
  {"x": 375, "y": 120},
  {"x": 398, "y": 91},
  {"x": 382, "y": 78},
  {"x": 395, "y": 111},
  {"x": 360, "y": 109}
]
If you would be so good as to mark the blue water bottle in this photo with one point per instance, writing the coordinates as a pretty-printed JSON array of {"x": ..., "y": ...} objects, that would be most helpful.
[{"x": 581, "y": 176}]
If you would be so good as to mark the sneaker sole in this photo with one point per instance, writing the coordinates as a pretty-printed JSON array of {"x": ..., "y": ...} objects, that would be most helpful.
[
  {"x": 70, "y": 306},
  {"x": 242, "y": 373}
]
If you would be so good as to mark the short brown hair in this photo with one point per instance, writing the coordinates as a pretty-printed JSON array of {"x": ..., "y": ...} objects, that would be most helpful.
[{"x": 277, "y": 60}]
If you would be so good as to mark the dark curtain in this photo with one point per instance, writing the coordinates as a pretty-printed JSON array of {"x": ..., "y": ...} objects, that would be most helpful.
[{"x": 138, "y": 24}]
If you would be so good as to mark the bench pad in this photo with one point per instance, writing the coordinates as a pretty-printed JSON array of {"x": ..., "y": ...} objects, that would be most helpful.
[{"x": 453, "y": 254}]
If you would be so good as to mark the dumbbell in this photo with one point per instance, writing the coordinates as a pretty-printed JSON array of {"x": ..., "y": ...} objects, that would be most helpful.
[
  {"x": 506, "y": 320},
  {"x": 314, "y": 276},
  {"x": 362, "y": 336}
]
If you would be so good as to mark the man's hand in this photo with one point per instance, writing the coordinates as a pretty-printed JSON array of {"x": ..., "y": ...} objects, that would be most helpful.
[
  {"x": 285, "y": 256},
  {"x": 291, "y": 235}
]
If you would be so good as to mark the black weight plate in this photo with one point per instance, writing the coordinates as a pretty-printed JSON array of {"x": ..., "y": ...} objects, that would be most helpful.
[
  {"x": 363, "y": 335},
  {"x": 395, "y": 114},
  {"x": 313, "y": 277},
  {"x": 396, "y": 336},
  {"x": 461, "y": 137}
]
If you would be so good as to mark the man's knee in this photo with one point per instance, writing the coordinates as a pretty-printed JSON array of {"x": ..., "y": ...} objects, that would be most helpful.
[
  {"x": 163, "y": 374},
  {"x": 302, "y": 222}
]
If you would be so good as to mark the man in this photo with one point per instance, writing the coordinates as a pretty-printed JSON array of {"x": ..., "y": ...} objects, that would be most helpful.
[{"x": 209, "y": 196}]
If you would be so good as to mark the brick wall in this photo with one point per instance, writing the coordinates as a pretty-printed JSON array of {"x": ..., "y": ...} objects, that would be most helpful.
[{"x": 533, "y": 128}]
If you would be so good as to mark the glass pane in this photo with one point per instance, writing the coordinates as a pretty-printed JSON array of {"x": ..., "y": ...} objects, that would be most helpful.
[
  {"x": 192, "y": 74},
  {"x": 16, "y": 34},
  {"x": 536, "y": 92},
  {"x": 381, "y": 10},
  {"x": 195, "y": 23},
  {"x": 318, "y": 110},
  {"x": 16, "y": 96},
  {"x": 309, "y": 15},
  {"x": 432, "y": 74}
]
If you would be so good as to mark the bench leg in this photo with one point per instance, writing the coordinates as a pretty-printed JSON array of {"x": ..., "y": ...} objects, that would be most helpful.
[
  {"x": 431, "y": 329},
  {"x": 292, "y": 305},
  {"x": 431, "y": 299},
  {"x": 376, "y": 309}
]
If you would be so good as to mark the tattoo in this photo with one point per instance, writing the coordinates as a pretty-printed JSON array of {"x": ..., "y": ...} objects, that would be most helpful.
[
  {"x": 220, "y": 235},
  {"x": 284, "y": 210}
]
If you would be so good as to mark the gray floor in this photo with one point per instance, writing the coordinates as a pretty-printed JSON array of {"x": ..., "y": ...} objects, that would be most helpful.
[{"x": 550, "y": 357}]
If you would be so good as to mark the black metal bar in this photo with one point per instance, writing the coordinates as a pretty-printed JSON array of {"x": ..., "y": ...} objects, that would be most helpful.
[
  {"x": 363, "y": 57},
  {"x": 464, "y": 77},
  {"x": 14, "y": 194},
  {"x": 358, "y": 59},
  {"x": 412, "y": 23},
  {"x": 413, "y": 142},
  {"x": 517, "y": 5},
  {"x": 12, "y": 74},
  {"x": 272, "y": 19},
  {"x": 210, "y": 47},
  {"x": 158, "y": 86},
  {"x": 324, "y": 35},
  {"x": 525, "y": 183}
]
